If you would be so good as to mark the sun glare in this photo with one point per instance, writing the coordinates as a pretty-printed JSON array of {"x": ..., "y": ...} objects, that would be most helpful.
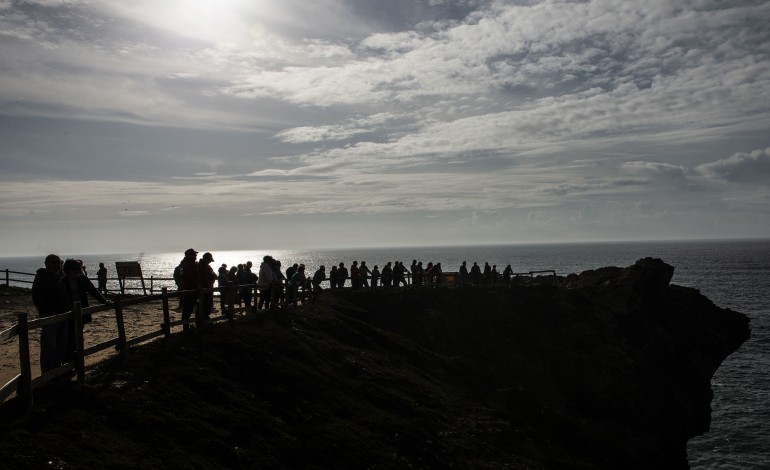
[{"x": 215, "y": 21}]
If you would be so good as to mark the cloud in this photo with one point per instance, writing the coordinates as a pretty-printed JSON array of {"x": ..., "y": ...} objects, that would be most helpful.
[
  {"x": 537, "y": 116},
  {"x": 750, "y": 167}
]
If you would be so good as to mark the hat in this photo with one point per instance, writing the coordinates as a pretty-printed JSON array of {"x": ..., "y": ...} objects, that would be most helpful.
[
  {"x": 208, "y": 256},
  {"x": 190, "y": 252}
]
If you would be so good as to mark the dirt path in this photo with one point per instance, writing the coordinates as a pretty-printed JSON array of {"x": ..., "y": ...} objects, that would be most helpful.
[{"x": 139, "y": 319}]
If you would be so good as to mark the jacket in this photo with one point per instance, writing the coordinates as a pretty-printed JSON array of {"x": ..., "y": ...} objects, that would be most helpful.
[{"x": 49, "y": 294}]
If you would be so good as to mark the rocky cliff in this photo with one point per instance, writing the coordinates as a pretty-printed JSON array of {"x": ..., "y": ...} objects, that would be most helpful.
[
  {"x": 607, "y": 369},
  {"x": 611, "y": 367}
]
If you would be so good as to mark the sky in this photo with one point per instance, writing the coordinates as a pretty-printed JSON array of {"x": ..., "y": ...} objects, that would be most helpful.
[{"x": 149, "y": 126}]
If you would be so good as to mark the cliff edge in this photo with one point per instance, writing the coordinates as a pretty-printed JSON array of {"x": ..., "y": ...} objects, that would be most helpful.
[{"x": 607, "y": 369}]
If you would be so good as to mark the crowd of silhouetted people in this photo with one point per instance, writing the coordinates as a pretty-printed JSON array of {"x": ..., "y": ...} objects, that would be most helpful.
[
  {"x": 60, "y": 283},
  {"x": 276, "y": 286}
]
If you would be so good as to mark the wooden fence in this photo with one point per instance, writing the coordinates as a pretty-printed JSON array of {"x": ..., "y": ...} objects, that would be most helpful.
[
  {"x": 156, "y": 283},
  {"x": 23, "y": 383}
]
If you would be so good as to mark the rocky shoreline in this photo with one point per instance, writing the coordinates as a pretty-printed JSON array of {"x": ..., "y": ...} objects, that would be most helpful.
[{"x": 608, "y": 369}]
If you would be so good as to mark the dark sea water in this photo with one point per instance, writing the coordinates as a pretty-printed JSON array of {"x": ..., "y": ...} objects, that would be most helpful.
[{"x": 733, "y": 274}]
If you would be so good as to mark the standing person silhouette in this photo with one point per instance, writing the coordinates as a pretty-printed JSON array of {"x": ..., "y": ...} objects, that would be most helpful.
[
  {"x": 189, "y": 281},
  {"x": 318, "y": 278},
  {"x": 101, "y": 277},
  {"x": 78, "y": 288},
  {"x": 265, "y": 282},
  {"x": 50, "y": 298},
  {"x": 342, "y": 275},
  {"x": 366, "y": 273},
  {"x": 207, "y": 277}
]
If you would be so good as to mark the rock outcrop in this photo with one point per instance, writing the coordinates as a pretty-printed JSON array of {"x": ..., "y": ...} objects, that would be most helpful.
[
  {"x": 603, "y": 370},
  {"x": 610, "y": 368}
]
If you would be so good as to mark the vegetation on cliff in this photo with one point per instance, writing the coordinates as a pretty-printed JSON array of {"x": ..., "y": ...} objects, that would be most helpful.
[{"x": 609, "y": 369}]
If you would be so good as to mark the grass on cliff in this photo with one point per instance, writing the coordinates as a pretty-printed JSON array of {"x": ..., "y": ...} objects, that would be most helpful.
[{"x": 313, "y": 387}]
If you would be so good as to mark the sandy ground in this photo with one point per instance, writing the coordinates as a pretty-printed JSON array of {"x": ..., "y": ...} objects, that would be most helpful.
[{"x": 138, "y": 319}]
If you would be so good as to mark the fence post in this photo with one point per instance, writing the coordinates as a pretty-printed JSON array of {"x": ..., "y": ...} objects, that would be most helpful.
[
  {"x": 166, "y": 314},
  {"x": 122, "y": 346},
  {"x": 24, "y": 391},
  {"x": 199, "y": 311},
  {"x": 80, "y": 363},
  {"x": 231, "y": 288},
  {"x": 151, "y": 285},
  {"x": 7, "y": 278}
]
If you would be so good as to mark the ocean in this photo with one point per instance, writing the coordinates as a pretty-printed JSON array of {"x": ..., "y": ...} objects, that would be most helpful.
[{"x": 733, "y": 274}]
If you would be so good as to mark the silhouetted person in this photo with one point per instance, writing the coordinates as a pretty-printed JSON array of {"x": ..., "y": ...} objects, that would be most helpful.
[
  {"x": 318, "y": 278},
  {"x": 507, "y": 274},
  {"x": 278, "y": 282},
  {"x": 475, "y": 274},
  {"x": 78, "y": 288},
  {"x": 246, "y": 276},
  {"x": 429, "y": 273},
  {"x": 207, "y": 279},
  {"x": 366, "y": 273},
  {"x": 290, "y": 271},
  {"x": 265, "y": 282},
  {"x": 189, "y": 281},
  {"x": 399, "y": 272},
  {"x": 50, "y": 298},
  {"x": 101, "y": 278},
  {"x": 333, "y": 277},
  {"x": 420, "y": 274},
  {"x": 355, "y": 275},
  {"x": 375, "y": 277},
  {"x": 464, "y": 273},
  {"x": 342, "y": 275},
  {"x": 438, "y": 275},
  {"x": 415, "y": 274},
  {"x": 387, "y": 275},
  {"x": 298, "y": 280}
]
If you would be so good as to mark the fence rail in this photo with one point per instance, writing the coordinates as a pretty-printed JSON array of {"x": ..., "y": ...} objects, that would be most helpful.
[
  {"x": 23, "y": 383},
  {"x": 156, "y": 283}
]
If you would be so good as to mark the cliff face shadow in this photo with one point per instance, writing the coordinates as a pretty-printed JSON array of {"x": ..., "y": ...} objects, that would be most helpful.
[{"x": 609, "y": 369}]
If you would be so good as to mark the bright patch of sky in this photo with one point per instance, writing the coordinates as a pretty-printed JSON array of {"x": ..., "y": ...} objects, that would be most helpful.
[{"x": 231, "y": 124}]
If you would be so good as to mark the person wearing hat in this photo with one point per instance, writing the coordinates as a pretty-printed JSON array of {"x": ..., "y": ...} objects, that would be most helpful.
[
  {"x": 207, "y": 276},
  {"x": 188, "y": 282}
]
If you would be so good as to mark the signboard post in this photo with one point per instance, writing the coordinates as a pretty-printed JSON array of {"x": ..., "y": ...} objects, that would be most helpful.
[{"x": 129, "y": 270}]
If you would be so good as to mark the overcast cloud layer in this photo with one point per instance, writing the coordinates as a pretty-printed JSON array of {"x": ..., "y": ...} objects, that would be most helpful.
[{"x": 227, "y": 124}]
